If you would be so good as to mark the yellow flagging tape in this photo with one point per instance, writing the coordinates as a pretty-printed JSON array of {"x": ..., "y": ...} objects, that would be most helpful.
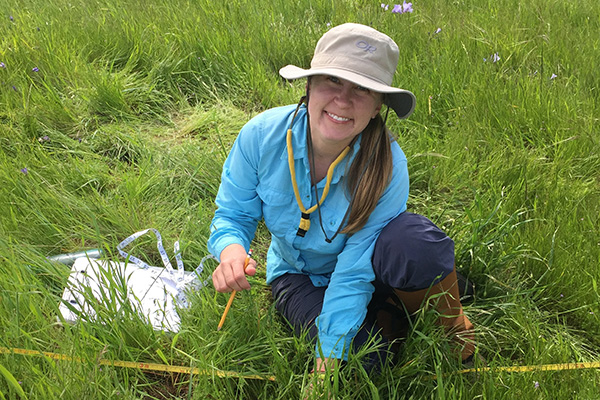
[
  {"x": 231, "y": 374},
  {"x": 138, "y": 365}
]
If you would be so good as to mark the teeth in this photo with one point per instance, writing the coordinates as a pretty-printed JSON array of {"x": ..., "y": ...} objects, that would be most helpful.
[{"x": 338, "y": 118}]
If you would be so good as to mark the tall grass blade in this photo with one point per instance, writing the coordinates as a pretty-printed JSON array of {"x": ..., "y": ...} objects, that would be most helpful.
[{"x": 12, "y": 382}]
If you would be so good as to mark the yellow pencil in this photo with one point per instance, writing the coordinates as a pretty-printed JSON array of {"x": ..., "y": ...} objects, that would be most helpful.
[{"x": 228, "y": 306}]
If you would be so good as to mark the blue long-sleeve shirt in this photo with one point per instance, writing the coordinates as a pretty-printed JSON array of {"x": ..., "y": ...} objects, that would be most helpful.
[{"x": 256, "y": 184}]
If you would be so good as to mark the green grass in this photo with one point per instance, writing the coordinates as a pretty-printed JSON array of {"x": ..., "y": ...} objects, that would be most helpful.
[{"x": 131, "y": 112}]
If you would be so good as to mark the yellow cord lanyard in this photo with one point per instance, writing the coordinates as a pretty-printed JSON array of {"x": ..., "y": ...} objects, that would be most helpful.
[{"x": 305, "y": 218}]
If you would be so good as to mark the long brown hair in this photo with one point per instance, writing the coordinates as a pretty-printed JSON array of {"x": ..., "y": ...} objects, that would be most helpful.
[{"x": 369, "y": 174}]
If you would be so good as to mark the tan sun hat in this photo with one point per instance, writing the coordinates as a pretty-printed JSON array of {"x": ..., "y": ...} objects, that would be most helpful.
[{"x": 362, "y": 55}]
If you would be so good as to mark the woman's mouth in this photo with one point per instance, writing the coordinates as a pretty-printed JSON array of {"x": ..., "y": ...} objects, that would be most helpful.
[{"x": 337, "y": 117}]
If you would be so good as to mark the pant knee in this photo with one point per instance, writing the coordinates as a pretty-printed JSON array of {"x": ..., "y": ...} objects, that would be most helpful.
[
  {"x": 299, "y": 302},
  {"x": 412, "y": 253}
]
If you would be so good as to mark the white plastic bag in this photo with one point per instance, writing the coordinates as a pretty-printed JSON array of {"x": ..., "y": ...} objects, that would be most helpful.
[{"x": 155, "y": 293}]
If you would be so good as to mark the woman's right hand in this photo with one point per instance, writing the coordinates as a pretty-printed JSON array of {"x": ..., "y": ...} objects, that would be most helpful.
[{"x": 230, "y": 274}]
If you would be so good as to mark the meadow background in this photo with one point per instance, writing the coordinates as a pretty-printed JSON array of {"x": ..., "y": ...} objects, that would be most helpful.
[{"x": 116, "y": 116}]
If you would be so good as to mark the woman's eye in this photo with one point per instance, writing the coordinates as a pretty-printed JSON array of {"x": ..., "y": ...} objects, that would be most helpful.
[
  {"x": 334, "y": 79},
  {"x": 363, "y": 89}
]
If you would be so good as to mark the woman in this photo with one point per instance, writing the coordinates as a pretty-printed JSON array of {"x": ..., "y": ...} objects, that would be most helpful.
[{"x": 332, "y": 185}]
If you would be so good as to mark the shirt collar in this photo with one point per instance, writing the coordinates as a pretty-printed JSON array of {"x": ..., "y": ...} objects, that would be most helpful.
[{"x": 298, "y": 134}]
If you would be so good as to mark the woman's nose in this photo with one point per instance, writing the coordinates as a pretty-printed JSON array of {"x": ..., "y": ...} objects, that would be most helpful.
[{"x": 344, "y": 96}]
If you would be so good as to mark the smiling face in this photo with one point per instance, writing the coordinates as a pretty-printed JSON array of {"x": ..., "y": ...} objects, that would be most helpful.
[{"x": 339, "y": 110}]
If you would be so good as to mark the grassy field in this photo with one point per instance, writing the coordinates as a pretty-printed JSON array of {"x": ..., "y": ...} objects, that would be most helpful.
[{"x": 116, "y": 116}]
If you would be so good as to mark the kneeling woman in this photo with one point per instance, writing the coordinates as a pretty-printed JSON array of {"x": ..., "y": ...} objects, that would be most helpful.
[{"x": 332, "y": 185}]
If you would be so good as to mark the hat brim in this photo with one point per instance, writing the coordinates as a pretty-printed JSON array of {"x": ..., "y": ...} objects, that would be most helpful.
[{"x": 401, "y": 101}]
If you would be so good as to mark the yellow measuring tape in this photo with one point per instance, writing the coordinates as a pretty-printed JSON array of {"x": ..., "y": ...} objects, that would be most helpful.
[
  {"x": 138, "y": 365},
  {"x": 530, "y": 368},
  {"x": 231, "y": 374}
]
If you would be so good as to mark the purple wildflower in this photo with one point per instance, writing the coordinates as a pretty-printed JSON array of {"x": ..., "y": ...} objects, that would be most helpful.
[
  {"x": 402, "y": 8},
  {"x": 536, "y": 384},
  {"x": 35, "y": 69},
  {"x": 553, "y": 76},
  {"x": 2, "y": 65},
  {"x": 44, "y": 138},
  {"x": 385, "y": 6},
  {"x": 11, "y": 18},
  {"x": 493, "y": 58},
  {"x": 15, "y": 88},
  {"x": 438, "y": 30},
  {"x": 24, "y": 170}
]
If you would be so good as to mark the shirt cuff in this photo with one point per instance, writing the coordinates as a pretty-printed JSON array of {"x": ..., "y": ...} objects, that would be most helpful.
[
  {"x": 219, "y": 245},
  {"x": 332, "y": 348}
]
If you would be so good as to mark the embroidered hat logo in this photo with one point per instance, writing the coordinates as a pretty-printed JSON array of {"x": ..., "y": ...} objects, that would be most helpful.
[{"x": 361, "y": 44}]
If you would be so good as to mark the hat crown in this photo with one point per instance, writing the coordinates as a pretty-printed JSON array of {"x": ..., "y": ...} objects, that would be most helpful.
[{"x": 359, "y": 49}]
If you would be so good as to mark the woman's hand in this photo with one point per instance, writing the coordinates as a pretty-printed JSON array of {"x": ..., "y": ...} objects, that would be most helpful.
[
  {"x": 230, "y": 274},
  {"x": 318, "y": 388},
  {"x": 324, "y": 364}
]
